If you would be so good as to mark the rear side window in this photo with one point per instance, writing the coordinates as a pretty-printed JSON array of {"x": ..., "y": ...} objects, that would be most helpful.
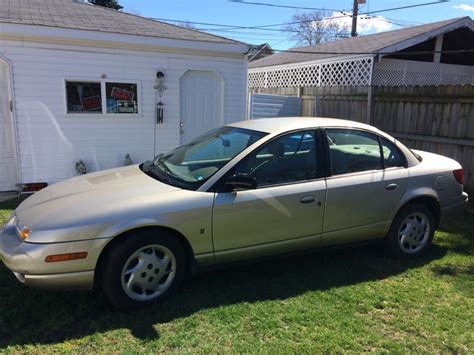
[
  {"x": 392, "y": 157},
  {"x": 353, "y": 151}
]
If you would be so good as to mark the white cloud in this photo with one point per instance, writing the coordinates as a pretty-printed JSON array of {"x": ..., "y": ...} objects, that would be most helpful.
[
  {"x": 365, "y": 24},
  {"x": 464, "y": 7},
  {"x": 377, "y": 24}
]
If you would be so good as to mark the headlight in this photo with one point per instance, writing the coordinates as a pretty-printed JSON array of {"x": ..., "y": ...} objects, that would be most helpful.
[{"x": 21, "y": 230}]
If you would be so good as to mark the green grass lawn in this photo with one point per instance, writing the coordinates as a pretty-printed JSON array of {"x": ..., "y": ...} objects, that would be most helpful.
[{"x": 349, "y": 300}]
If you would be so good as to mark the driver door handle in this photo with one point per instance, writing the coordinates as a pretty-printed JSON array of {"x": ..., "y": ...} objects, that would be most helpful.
[
  {"x": 391, "y": 186},
  {"x": 307, "y": 199}
]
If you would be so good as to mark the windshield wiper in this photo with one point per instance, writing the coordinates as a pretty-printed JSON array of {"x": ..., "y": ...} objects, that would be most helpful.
[
  {"x": 164, "y": 167},
  {"x": 166, "y": 174},
  {"x": 148, "y": 166}
]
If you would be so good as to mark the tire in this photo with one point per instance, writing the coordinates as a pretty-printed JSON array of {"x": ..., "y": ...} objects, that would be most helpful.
[
  {"x": 411, "y": 232},
  {"x": 143, "y": 268}
]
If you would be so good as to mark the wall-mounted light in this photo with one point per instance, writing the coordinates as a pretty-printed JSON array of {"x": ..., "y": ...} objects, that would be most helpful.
[
  {"x": 160, "y": 83},
  {"x": 160, "y": 88}
]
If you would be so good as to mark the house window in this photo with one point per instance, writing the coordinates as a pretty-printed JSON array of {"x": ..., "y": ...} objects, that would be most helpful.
[
  {"x": 121, "y": 98},
  {"x": 104, "y": 97},
  {"x": 83, "y": 97}
]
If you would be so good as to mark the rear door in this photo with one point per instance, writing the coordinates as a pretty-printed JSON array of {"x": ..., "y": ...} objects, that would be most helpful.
[{"x": 368, "y": 178}]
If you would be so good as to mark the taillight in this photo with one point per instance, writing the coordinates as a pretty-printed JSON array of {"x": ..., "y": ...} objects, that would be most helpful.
[{"x": 459, "y": 175}]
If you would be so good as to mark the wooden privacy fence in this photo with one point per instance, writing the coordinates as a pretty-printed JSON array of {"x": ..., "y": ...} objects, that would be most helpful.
[{"x": 439, "y": 119}]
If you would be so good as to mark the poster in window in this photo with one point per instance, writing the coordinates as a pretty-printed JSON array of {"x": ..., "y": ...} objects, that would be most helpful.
[
  {"x": 91, "y": 103},
  {"x": 111, "y": 105},
  {"x": 122, "y": 94},
  {"x": 124, "y": 106}
]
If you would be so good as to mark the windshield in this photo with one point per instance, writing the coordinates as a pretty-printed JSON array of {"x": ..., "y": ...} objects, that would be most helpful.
[{"x": 192, "y": 164}]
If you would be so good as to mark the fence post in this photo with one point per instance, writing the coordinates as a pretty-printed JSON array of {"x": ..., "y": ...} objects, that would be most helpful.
[
  {"x": 370, "y": 101},
  {"x": 300, "y": 95},
  {"x": 317, "y": 106},
  {"x": 249, "y": 107}
]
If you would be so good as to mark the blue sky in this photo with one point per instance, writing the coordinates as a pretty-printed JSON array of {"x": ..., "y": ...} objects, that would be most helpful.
[{"x": 234, "y": 13}]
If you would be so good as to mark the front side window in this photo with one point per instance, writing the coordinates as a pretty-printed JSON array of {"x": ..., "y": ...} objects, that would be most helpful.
[
  {"x": 353, "y": 151},
  {"x": 286, "y": 159},
  {"x": 192, "y": 164}
]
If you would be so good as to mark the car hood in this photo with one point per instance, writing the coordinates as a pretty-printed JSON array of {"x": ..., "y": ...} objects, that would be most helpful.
[{"x": 90, "y": 199}]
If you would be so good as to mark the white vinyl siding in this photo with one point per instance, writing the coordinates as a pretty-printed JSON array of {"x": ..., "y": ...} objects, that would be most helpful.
[{"x": 51, "y": 141}]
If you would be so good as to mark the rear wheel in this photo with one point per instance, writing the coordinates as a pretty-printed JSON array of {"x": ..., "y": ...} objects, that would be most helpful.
[
  {"x": 412, "y": 231},
  {"x": 143, "y": 268}
]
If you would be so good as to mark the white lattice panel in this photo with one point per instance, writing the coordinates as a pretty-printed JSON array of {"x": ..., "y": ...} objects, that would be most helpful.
[
  {"x": 355, "y": 72},
  {"x": 395, "y": 72}
]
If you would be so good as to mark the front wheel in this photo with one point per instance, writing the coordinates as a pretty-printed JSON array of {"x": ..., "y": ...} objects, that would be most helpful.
[
  {"x": 411, "y": 232},
  {"x": 143, "y": 268}
]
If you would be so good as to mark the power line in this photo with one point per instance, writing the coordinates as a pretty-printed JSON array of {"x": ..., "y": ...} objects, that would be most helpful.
[
  {"x": 267, "y": 27},
  {"x": 453, "y": 51},
  {"x": 228, "y": 27},
  {"x": 403, "y": 22},
  {"x": 236, "y": 32},
  {"x": 243, "y": 2},
  {"x": 349, "y": 15}
]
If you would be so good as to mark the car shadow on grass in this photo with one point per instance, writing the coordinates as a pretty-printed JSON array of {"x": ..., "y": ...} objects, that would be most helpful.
[{"x": 29, "y": 316}]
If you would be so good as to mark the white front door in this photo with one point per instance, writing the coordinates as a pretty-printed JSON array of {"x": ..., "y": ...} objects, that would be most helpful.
[
  {"x": 201, "y": 103},
  {"x": 8, "y": 173}
]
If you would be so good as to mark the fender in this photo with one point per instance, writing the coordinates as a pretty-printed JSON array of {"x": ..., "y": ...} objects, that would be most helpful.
[{"x": 410, "y": 195}]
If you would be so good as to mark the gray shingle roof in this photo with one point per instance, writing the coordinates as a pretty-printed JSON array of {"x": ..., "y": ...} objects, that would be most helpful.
[
  {"x": 83, "y": 16},
  {"x": 362, "y": 44}
]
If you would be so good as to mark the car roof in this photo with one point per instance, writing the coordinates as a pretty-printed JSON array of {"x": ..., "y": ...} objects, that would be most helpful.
[{"x": 283, "y": 124}]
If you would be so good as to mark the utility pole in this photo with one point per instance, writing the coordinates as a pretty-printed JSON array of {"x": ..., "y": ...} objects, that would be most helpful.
[{"x": 355, "y": 11}]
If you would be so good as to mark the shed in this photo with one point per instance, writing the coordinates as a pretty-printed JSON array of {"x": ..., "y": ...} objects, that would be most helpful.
[{"x": 83, "y": 82}]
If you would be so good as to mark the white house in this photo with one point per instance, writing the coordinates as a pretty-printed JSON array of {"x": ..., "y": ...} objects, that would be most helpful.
[{"x": 78, "y": 81}]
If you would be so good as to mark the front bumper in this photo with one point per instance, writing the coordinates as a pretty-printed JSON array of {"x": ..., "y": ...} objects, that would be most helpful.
[
  {"x": 27, "y": 261},
  {"x": 454, "y": 209}
]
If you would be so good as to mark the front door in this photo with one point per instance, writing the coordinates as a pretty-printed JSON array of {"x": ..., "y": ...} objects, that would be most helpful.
[
  {"x": 8, "y": 172},
  {"x": 201, "y": 103},
  {"x": 284, "y": 213}
]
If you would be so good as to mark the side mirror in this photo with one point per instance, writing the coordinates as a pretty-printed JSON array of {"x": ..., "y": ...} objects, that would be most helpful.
[{"x": 241, "y": 182}]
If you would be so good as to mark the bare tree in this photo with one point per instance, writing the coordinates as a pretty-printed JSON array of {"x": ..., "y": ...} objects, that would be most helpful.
[
  {"x": 188, "y": 25},
  {"x": 312, "y": 28}
]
